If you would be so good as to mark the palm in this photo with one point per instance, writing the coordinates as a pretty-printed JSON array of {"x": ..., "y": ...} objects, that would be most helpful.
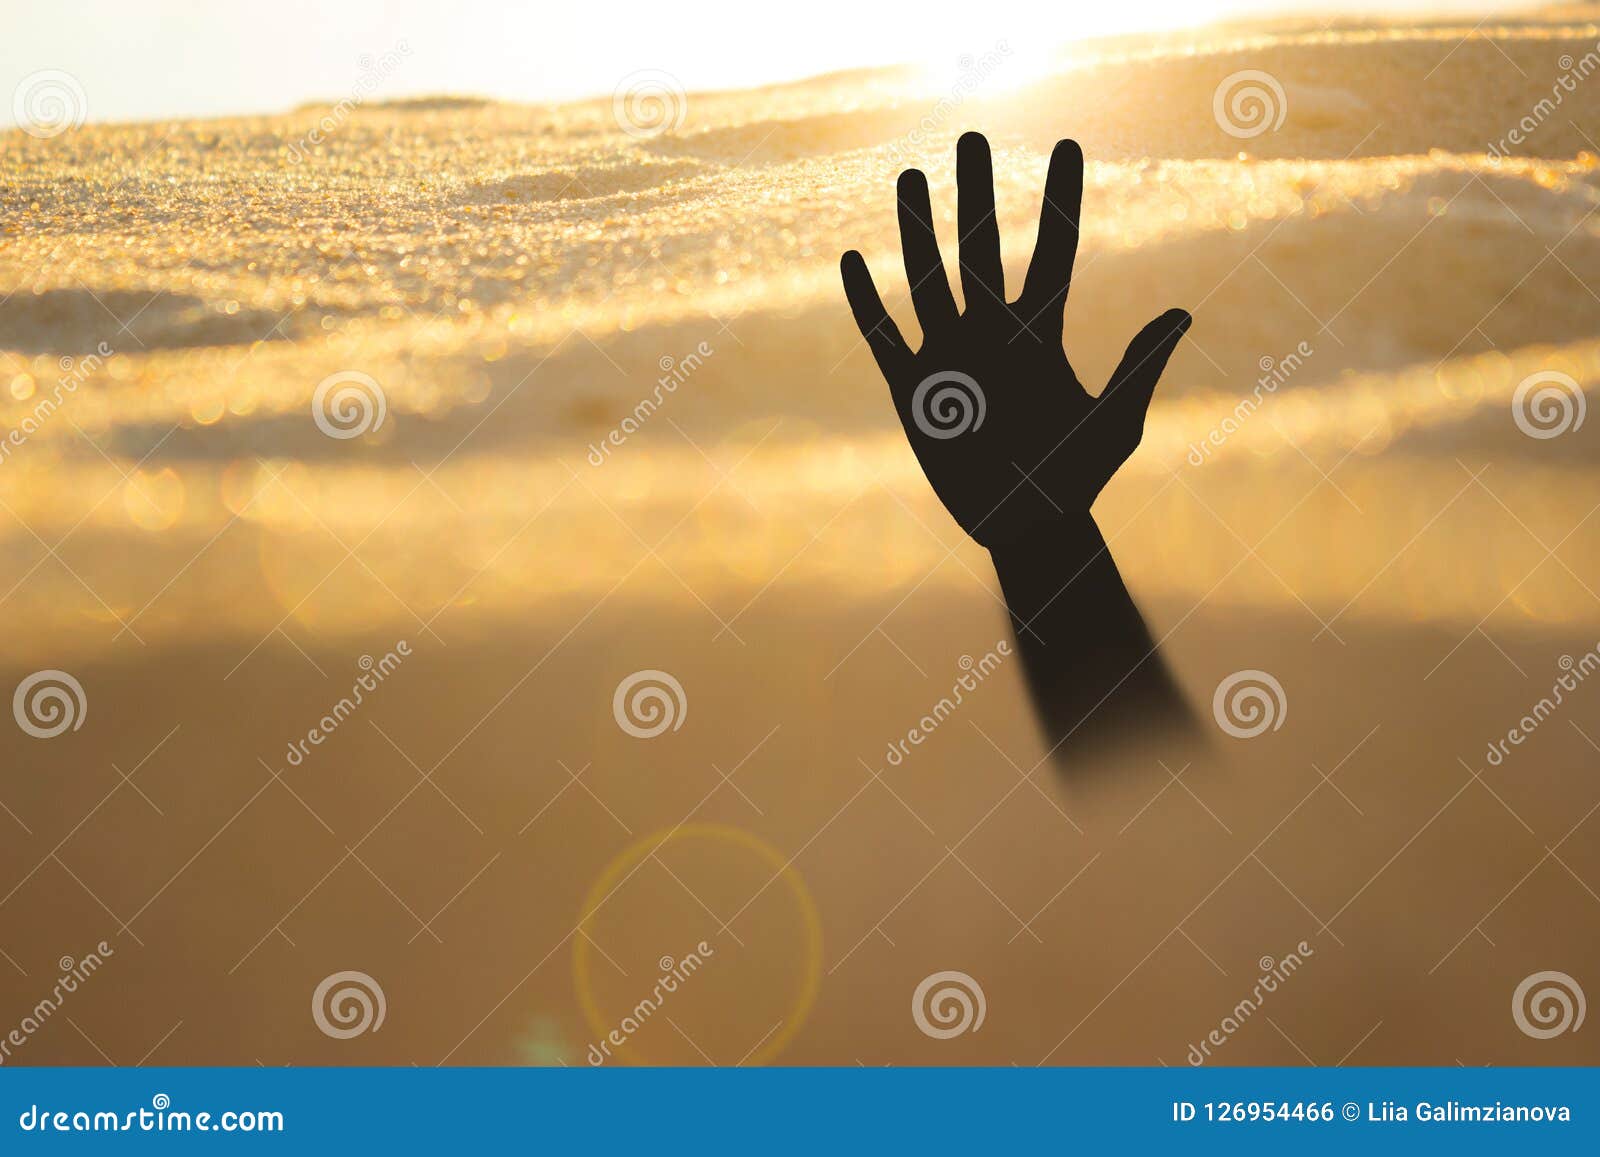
[{"x": 1007, "y": 436}]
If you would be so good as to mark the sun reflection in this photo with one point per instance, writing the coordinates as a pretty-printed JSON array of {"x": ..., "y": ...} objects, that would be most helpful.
[
  {"x": 154, "y": 499},
  {"x": 992, "y": 51}
]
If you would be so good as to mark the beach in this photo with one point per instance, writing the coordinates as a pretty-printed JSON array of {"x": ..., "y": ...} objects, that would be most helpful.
[{"x": 484, "y": 408}]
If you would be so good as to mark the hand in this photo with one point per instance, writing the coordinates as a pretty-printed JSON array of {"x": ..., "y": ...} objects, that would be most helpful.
[{"x": 1011, "y": 442}]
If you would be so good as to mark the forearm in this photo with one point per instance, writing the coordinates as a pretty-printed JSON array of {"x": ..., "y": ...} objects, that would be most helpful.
[{"x": 1090, "y": 658}]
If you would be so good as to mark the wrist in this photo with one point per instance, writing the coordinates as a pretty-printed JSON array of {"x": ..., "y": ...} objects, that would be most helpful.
[
  {"x": 1061, "y": 575},
  {"x": 1062, "y": 539}
]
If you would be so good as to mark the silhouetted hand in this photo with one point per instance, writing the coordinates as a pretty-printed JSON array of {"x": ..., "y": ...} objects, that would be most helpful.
[
  {"x": 1006, "y": 434},
  {"x": 1017, "y": 450}
]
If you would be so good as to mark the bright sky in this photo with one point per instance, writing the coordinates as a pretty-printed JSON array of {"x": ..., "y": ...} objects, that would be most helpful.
[{"x": 151, "y": 59}]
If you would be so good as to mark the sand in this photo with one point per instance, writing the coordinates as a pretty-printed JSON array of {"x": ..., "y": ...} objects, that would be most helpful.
[{"x": 1378, "y": 533}]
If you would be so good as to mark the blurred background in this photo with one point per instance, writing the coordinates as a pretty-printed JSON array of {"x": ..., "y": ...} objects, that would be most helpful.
[{"x": 171, "y": 60}]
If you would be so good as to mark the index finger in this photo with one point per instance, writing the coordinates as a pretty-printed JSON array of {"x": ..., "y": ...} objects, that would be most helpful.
[{"x": 1050, "y": 271}]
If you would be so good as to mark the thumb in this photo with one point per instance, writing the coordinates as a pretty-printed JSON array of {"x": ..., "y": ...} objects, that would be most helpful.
[{"x": 1134, "y": 381}]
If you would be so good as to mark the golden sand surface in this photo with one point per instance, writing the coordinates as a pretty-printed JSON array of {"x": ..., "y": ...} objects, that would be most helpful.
[
  {"x": 512, "y": 282},
  {"x": 514, "y": 278}
]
